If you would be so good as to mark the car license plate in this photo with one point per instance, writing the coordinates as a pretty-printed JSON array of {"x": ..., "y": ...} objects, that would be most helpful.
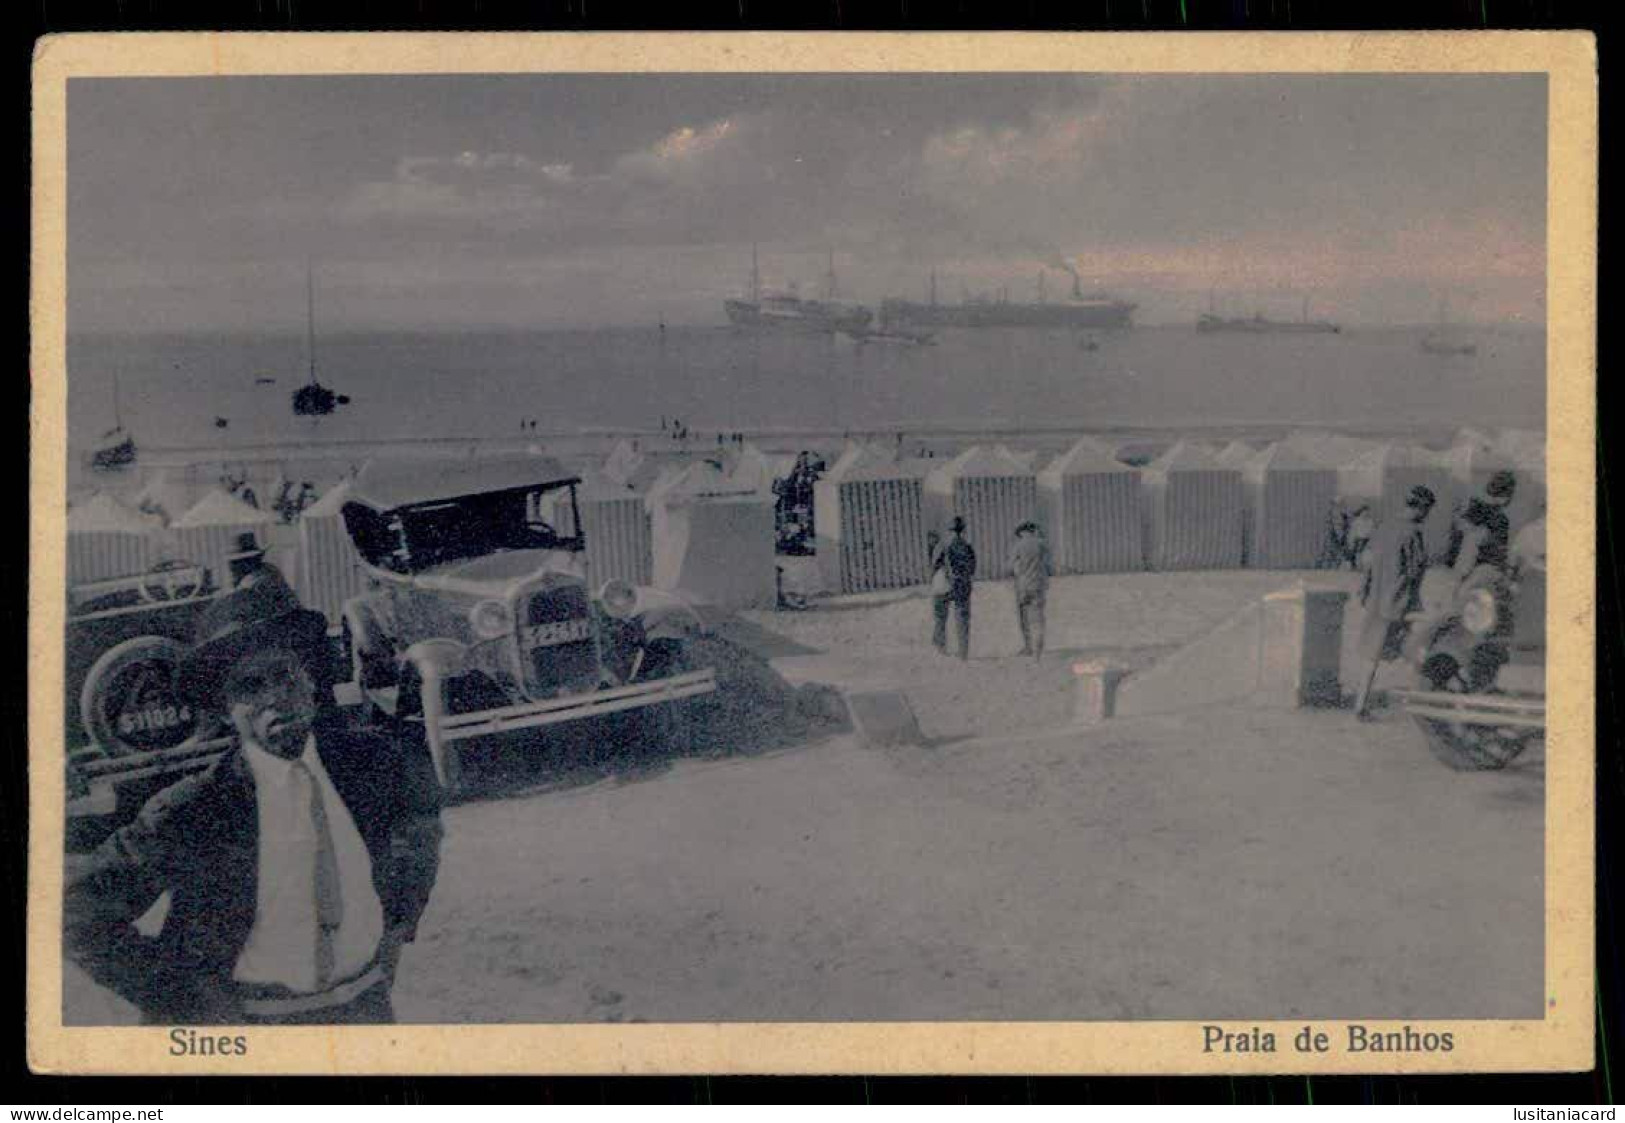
[{"x": 559, "y": 631}]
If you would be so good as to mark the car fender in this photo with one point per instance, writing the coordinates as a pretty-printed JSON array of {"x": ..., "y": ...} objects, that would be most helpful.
[
  {"x": 436, "y": 659},
  {"x": 667, "y": 615}
]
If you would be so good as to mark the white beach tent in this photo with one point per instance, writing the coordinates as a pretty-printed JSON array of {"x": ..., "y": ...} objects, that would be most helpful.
[
  {"x": 869, "y": 512},
  {"x": 1289, "y": 498},
  {"x": 1236, "y": 454},
  {"x": 756, "y": 469},
  {"x": 622, "y": 462},
  {"x": 107, "y": 539},
  {"x": 713, "y": 538},
  {"x": 1385, "y": 477},
  {"x": 1027, "y": 458},
  {"x": 993, "y": 492},
  {"x": 1092, "y": 511},
  {"x": 207, "y": 533},
  {"x": 1526, "y": 448},
  {"x": 1335, "y": 450},
  {"x": 616, "y": 523},
  {"x": 329, "y": 570},
  {"x": 167, "y": 495},
  {"x": 1193, "y": 508}
]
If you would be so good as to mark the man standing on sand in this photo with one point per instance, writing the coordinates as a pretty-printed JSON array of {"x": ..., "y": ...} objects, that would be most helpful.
[
  {"x": 297, "y": 864},
  {"x": 1397, "y": 563},
  {"x": 958, "y": 560},
  {"x": 1030, "y": 566}
]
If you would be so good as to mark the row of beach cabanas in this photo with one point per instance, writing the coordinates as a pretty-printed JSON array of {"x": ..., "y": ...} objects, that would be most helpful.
[
  {"x": 1193, "y": 507},
  {"x": 706, "y": 524}
]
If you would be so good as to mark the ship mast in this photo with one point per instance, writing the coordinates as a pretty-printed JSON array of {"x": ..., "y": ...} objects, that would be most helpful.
[
  {"x": 829, "y": 278},
  {"x": 310, "y": 319},
  {"x": 933, "y": 288},
  {"x": 755, "y": 276}
]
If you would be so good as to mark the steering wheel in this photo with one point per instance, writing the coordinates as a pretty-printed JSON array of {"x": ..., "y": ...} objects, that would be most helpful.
[{"x": 171, "y": 580}]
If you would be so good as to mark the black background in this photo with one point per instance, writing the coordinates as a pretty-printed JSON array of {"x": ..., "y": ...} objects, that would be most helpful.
[{"x": 46, "y": 16}]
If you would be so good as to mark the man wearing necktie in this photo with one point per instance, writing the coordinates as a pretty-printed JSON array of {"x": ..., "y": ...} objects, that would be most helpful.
[{"x": 297, "y": 865}]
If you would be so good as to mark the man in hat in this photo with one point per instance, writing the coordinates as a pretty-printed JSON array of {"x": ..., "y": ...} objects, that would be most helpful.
[
  {"x": 958, "y": 560},
  {"x": 248, "y": 566},
  {"x": 1397, "y": 561},
  {"x": 1030, "y": 566},
  {"x": 297, "y": 864}
]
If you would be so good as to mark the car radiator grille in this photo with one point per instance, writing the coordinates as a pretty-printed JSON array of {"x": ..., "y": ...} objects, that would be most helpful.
[{"x": 559, "y": 651}]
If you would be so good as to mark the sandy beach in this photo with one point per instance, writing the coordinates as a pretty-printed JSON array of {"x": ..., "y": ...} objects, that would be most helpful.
[{"x": 1231, "y": 861}]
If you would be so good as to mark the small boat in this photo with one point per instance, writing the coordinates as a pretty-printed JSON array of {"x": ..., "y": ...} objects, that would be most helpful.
[
  {"x": 117, "y": 451},
  {"x": 1441, "y": 340},
  {"x": 313, "y": 399},
  {"x": 892, "y": 337},
  {"x": 265, "y": 380},
  {"x": 1436, "y": 344},
  {"x": 117, "y": 448}
]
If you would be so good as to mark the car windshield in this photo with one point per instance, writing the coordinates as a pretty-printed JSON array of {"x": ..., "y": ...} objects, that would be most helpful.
[{"x": 414, "y": 538}]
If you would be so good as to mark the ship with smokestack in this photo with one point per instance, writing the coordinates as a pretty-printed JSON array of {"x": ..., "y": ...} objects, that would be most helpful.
[
  {"x": 1080, "y": 312},
  {"x": 788, "y": 312}
]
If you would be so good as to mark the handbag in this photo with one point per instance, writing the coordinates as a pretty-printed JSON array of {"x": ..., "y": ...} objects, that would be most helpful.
[{"x": 941, "y": 584}]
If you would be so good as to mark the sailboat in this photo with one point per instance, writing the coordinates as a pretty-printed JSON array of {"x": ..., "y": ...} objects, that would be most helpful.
[
  {"x": 117, "y": 447},
  {"x": 1441, "y": 341},
  {"x": 313, "y": 399}
]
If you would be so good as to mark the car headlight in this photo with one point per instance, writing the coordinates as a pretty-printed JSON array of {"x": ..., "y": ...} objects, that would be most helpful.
[
  {"x": 491, "y": 619},
  {"x": 619, "y": 598},
  {"x": 1478, "y": 612}
]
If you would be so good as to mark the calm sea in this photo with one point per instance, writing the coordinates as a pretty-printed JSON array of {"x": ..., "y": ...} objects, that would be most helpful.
[{"x": 176, "y": 390}]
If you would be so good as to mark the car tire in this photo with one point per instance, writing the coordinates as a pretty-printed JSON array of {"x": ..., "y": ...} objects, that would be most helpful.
[
  {"x": 1470, "y": 747},
  {"x": 164, "y": 654}
]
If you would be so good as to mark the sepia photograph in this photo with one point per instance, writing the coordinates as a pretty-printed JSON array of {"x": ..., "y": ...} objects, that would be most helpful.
[{"x": 658, "y": 547}]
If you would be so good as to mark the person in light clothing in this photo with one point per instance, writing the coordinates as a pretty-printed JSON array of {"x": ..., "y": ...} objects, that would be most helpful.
[
  {"x": 1030, "y": 567},
  {"x": 1396, "y": 564},
  {"x": 297, "y": 865}
]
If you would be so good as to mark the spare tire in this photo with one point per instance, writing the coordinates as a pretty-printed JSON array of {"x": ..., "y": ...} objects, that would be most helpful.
[{"x": 128, "y": 702}]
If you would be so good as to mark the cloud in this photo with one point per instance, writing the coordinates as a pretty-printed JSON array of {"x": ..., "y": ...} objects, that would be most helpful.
[{"x": 1172, "y": 184}]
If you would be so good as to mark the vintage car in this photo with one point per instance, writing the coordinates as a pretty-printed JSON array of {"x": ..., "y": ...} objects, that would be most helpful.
[
  {"x": 1480, "y": 663},
  {"x": 127, "y": 732},
  {"x": 480, "y": 620}
]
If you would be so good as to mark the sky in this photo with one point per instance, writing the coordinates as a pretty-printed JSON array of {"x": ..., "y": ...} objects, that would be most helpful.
[{"x": 521, "y": 201}]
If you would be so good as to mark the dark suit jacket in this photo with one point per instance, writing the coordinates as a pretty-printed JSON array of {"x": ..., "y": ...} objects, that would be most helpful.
[{"x": 199, "y": 840}]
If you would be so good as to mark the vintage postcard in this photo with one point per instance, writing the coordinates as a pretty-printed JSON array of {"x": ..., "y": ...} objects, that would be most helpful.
[{"x": 941, "y": 553}]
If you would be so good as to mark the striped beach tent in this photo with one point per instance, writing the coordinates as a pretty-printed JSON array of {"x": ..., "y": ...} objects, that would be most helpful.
[
  {"x": 107, "y": 539},
  {"x": 616, "y": 522},
  {"x": 713, "y": 538},
  {"x": 207, "y": 533},
  {"x": 1092, "y": 511},
  {"x": 1288, "y": 498},
  {"x": 1193, "y": 508},
  {"x": 329, "y": 571},
  {"x": 993, "y": 493},
  {"x": 869, "y": 512}
]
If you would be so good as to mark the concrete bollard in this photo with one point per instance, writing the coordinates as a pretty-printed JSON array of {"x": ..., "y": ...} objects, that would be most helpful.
[
  {"x": 1301, "y": 648},
  {"x": 1095, "y": 699}
]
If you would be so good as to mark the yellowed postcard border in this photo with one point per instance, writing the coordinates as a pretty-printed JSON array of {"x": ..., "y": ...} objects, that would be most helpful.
[{"x": 1562, "y": 1040}]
